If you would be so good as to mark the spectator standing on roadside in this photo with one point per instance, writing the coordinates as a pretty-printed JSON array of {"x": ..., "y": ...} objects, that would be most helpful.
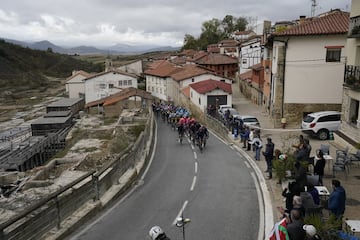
[
  {"x": 295, "y": 226},
  {"x": 257, "y": 145},
  {"x": 245, "y": 137},
  {"x": 269, "y": 156},
  {"x": 320, "y": 166},
  {"x": 300, "y": 175},
  {"x": 336, "y": 202},
  {"x": 251, "y": 138}
]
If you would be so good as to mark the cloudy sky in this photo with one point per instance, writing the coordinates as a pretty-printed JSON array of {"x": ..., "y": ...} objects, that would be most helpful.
[{"x": 156, "y": 22}]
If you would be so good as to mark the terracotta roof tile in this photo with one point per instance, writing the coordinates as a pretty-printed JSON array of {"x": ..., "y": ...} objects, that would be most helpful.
[
  {"x": 334, "y": 23},
  {"x": 186, "y": 91},
  {"x": 116, "y": 97},
  {"x": 245, "y": 75},
  {"x": 189, "y": 71},
  {"x": 164, "y": 70},
  {"x": 210, "y": 85},
  {"x": 217, "y": 59},
  {"x": 112, "y": 71}
]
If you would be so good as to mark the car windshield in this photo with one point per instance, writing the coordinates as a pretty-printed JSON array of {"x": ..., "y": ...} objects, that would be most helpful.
[
  {"x": 308, "y": 119},
  {"x": 253, "y": 120}
]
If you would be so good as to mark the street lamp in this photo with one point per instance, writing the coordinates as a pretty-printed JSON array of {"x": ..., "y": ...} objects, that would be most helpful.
[{"x": 180, "y": 222}]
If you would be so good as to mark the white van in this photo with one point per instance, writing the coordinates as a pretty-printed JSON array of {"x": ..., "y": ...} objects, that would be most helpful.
[{"x": 321, "y": 123}]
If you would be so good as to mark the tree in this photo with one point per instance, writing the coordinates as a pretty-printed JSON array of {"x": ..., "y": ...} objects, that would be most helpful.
[
  {"x": 190, "y": 42},
  {"x": 214, "y": 30}
]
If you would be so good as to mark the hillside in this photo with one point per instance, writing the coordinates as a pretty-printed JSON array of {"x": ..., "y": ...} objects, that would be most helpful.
[{"x": 23, "y": 68}]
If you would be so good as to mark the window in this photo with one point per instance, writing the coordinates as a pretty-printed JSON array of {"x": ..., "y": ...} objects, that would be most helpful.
[
  {"x": 102, "y": 85},
  {"x": 192, "y": 80},
  {"x": 111, "y": 85},
  {"x": 333, "y": 54},
  {"x": 120, "y": 83},
  {"x": 244, "y": 61},
  {"x": 125, "y": 82},
  {"x": 129, "y": 82}
]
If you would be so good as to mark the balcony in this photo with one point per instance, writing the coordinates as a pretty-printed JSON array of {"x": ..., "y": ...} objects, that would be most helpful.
[
  {"x": 352, "y": 77},
  {"x": 354, "y": 28}
]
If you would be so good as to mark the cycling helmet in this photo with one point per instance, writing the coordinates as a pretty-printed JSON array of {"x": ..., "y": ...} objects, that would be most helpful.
[{"x": 155, "y": 232}]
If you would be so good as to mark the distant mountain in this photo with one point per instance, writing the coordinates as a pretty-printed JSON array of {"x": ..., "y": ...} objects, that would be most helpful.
[{"x": 84, "y": 50}]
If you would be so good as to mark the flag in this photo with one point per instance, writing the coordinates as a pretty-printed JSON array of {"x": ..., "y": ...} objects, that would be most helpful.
[{"x": 279, "y": 231}]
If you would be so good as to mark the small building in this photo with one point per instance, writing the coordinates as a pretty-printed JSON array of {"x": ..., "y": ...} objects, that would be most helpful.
[
  {"x": 210, "y": 92},
  {"x": 74, "y": 105},
  {"x": 45, "y": 125}
]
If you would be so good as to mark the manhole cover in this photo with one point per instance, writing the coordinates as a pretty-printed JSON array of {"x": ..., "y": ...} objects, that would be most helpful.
[{"x": 352, "y": 202}]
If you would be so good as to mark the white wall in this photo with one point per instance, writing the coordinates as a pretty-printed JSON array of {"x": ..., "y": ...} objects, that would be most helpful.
[
  {"x": 158, "y": 87},
  {"x": 99, "y": 87},
  {"x": 75, "y": 86},
  {"x": 250, "y": 55},
  {"x": 308, "y": 77},
  {"x": 134, "y": 67}
]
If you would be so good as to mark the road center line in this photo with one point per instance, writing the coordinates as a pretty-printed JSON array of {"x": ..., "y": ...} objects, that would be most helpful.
[
  {"x": 196, "y": 167},
  {"x": 193, "y": 184},
  {"x": 180, "y": 212},
  {"x": 195, "y": 155}
]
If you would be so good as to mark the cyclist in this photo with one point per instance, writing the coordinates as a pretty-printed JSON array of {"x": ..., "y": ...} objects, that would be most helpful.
[
  {"x": 181, "y": 128},
  {"x": 156, "y": 233},
  {"x": 202, "y": 135}
]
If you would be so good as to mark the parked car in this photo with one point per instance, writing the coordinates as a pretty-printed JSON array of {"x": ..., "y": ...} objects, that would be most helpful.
[
  {"x": 232, "y": 111},
  {"x": 321, "y": 123},
  {"x": 248, "y": 120},
  {"x": 222, "y": 109}
]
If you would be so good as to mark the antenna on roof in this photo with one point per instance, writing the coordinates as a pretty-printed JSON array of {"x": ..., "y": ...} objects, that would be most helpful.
[{"x": 313, "y": 7}]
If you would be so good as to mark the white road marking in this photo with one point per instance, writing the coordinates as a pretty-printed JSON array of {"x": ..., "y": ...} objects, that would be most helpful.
[
  {"x": 196, "y": 167},
  {"x": 261, "y": 207},
  {"x": 247, "y": 164},
  {"x": 180, "y": 212},
  {"x": 193, "y": 184},
  {"x": 195, "y": 155}
]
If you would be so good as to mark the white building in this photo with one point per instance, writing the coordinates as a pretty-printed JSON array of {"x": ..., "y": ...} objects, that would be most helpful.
[
  {"x": 308, "y": 66},
  {"x": 75, "y": 84},
  {"x": 205, "y": 93},
  {"x": 250, "y": 54},
  {"x": 350, "y": 125},
  {"x": 107, "y": 83}
]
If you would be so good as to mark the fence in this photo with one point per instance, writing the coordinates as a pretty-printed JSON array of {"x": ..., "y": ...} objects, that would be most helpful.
[{"x": 50, "y": 212}]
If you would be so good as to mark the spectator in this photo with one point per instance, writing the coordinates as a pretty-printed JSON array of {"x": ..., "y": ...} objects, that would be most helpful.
[
  {"x": 245, "y": 137},
  {"x": 336, "y": 202},
  {"x": 257, "y": 145},
  {"x": 269, "y": 156},
  {"x": 300, "y": 175},
  {"x": 320, "y": 166},
  {"x": 301, "y": 142},
  {"x": 314, "y": 193},
  {"x": 295, "y": 226},
  {"x": 251, "y": 138}
]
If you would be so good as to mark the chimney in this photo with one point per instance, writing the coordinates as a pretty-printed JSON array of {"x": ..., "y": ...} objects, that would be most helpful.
[{"x": 302, "y": 19}]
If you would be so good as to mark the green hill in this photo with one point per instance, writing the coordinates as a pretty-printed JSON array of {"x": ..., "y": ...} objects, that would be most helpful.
[{"x": 25, "y": 69}]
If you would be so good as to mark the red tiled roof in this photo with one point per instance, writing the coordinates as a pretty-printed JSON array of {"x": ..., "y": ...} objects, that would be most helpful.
[
  {"x": 112, "y": 71},
  {"x": 334, "y": 23},
  {"x": 228, "y": 43},
  {"x": 81, "y": 72},
  {"x": 164, "y": 70},
  {"x": 245, "y": 75},
  {"x": 210, "y": 85},
  {"x": 189, "y": 71},
  {"x": 244, "y": 32},
  {"x": 257, "y": 67},
  {"x": 217, "y": 59},
  {"x": 116, "y": 97},
  {"x": 186, "y": 91}
]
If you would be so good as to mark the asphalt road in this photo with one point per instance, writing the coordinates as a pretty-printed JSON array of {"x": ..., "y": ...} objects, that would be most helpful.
[{"x": 216, "y": 189}]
